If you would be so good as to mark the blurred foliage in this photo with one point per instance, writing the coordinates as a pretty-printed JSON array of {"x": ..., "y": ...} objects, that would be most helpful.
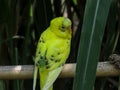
[{"x": 20, "y": 31}]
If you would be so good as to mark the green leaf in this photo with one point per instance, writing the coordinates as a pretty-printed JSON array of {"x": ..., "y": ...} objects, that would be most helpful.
[{"x": 95, "y": 16}]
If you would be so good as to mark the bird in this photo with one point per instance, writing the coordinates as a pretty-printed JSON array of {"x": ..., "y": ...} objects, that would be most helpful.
[{"x": 52, "y": 51}]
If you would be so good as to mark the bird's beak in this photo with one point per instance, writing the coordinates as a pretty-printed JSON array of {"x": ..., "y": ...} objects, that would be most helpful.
[{"x": 67, "y": 23}]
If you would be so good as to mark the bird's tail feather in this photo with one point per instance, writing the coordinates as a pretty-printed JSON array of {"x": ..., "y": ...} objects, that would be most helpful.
[
  {"x": 35, "y": 77},
  {"x": 49, "y": 78}
]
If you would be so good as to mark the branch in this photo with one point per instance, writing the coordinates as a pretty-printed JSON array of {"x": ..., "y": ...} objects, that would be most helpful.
[{"x": 26, "y": 71}]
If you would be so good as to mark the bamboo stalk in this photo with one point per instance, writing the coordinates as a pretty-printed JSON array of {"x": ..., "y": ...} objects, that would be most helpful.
[{"x": 26, "y": 71}]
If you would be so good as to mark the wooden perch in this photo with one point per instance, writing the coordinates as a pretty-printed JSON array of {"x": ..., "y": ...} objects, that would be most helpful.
[{"x": 26, "y": 71}]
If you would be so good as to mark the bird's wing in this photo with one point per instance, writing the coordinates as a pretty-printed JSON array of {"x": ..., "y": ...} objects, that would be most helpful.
[{"x": 40, "y": 53}]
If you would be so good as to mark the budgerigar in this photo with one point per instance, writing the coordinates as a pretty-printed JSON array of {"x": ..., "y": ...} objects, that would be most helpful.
[{"x": 52, "y": 51}]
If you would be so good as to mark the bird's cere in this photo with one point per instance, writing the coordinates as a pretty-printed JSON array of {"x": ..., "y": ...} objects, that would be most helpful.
[{"x": 67, "y": 22}]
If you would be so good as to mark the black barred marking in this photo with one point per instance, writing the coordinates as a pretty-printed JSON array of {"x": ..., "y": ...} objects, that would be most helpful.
[
  {"x": 47, "y": 67},
  {"x": 47, "y": 64},
  {"x": 51, "y": 59},
  {"x": 58, "y": 53},
  {"x": 58, "y": 60},
  {"x": 41, "y": 57},
  {"x": 52, "y": 55},
  {"x": 42, "y": 40}
]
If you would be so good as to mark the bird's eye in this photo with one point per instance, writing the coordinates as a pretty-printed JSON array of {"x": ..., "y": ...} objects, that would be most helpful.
[{"x": 62, "y": 28}]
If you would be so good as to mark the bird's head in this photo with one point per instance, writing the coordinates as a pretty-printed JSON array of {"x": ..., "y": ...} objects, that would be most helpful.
[{"x": 61, "y": 26}]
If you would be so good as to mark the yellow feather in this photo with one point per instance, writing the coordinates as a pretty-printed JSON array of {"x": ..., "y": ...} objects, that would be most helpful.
[{"x": 52, "y": 51}]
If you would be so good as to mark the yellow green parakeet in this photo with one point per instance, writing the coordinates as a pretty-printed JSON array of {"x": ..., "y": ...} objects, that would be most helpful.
[{"x": 52, "y": 51}]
